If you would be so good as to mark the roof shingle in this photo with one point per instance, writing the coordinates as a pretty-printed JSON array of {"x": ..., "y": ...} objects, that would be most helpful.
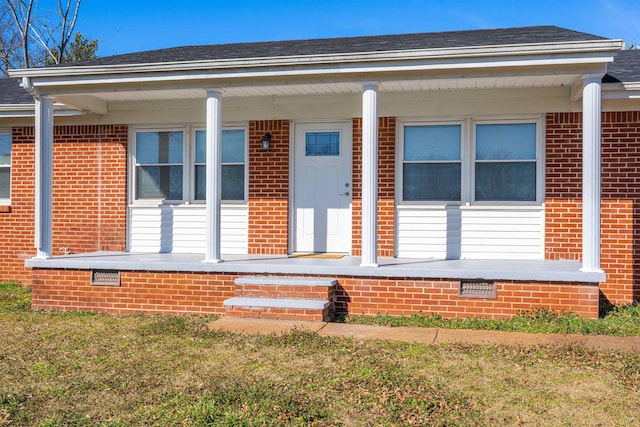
[
  {"x": 12, "y": 93},
  {"x": 625, "y": 67},
  {"x": 449, "y": 39}
]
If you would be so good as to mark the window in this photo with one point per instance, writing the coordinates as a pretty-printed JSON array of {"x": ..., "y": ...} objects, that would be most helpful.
[
  {"x": 505, "y": 162},
  {"x": 5, "y": 167},
  {"x": 233, "y": 165},
  {"x": 497, "y": 162},
  {"x": 159, "y": 165},
  {"x": 432, "y": 163},
  {"x": 322, "y": 144}
]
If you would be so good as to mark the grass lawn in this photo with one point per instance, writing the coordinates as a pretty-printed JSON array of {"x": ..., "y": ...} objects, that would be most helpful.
[{"x": 93, "y": 369}]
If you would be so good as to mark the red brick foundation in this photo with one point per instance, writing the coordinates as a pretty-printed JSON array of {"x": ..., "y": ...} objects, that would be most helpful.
[
  {"x": 201, "y": 293},
  {"x": 151, "y": 292}
]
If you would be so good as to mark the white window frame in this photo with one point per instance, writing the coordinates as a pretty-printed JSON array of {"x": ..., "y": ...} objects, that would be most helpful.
[
  {"x": 400, "y": 163},
  {"x": 7, "y": 201},
  {"x": 539, "y": 161},
  {"x": 188, "y": 165},
  {"x": 134, "y": 164},
  {"x": 192, "y": 165},
  {"x": 468, "y": 154}
]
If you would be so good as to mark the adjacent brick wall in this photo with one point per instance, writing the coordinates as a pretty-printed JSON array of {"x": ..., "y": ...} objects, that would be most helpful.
[
  {"x": 386, "y": 187},
  {"x": 16, "y": 224},
  {"x": 201, "y": 293},
  {"x": 620, "y": 198},
  {"x": 89, "y": 195},
  {"x": 269, "y": 189}
]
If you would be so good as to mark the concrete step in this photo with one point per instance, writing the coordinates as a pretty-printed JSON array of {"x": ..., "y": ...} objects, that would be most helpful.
[{"x": 278, "y": 308}]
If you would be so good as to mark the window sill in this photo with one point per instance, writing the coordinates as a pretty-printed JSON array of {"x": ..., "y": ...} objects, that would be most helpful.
[
  {"x": 5, "y": 209},
  {"x": 182, "y": 205}
]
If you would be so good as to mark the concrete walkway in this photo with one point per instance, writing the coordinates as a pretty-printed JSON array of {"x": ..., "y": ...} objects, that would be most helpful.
[{"x": 425, "y": 335}]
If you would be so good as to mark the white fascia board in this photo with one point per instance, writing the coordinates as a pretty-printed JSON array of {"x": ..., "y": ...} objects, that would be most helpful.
[
  {"x": 555, "y": 53},
  {"x": 48, "y": 84}
]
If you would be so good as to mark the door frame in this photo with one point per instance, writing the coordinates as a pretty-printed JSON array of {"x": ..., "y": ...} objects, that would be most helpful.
[{"x": 292, "y": 179}]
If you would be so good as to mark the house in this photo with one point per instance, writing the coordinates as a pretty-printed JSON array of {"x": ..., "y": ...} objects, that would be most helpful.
[{"x": 466, "y": 173}]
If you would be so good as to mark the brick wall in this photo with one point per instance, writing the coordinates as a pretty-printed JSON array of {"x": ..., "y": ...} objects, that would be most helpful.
[
  {"x": 202, "y": 293},
  {"x": 620, "y": 198},
  {"x": 386, "y": 186},
  {"x": 269, "y": 188},
  {"x": 159, "y": 292},
  {"x": 16, "y": 222},
  {"x": 89, "y": 195},
  {"x": 397, "y": 296}
]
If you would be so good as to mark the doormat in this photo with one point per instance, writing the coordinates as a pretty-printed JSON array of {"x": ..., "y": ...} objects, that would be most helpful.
[{"x": 318, "y": 255}]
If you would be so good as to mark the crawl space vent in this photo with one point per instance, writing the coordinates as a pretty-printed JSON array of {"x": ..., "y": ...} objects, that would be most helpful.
[
  {"x": 478, "y": 289},
  {"x": 105, "y": 278}
]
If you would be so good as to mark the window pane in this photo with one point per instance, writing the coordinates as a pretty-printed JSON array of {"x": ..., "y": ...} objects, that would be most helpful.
[
  {"x": 201, "y": 182},
  {"x": 159, "y": 182},
  {"x": 158, "y": 147},
  {"x": 432, "y": 181},
  {"x": 233, "y": 146},
  {"x": 5, "y": 150},
  {"x": 201, "y": 146},
  {"x": 506, "y": 141},
  {"x": 433, "y": 142},
  {"x": 322, "y": 144},
  {"x": 5, "y": 183},
  {"x": 232, "y": 182},
  {"x": 505, "y": 181}
]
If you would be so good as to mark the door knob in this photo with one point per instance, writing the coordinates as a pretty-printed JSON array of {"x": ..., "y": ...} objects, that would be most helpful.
[{"x": 346, "y": 193}]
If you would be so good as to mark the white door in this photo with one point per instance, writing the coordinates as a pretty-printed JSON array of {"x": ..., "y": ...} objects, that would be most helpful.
[{"x": 322, "y": 182}]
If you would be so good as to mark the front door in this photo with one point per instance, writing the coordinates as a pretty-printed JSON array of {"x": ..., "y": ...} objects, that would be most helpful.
[{"x": 322, "y": 182}]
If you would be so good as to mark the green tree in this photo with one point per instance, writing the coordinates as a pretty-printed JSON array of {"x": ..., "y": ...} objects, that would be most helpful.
[{"x": 79, "y": 49}]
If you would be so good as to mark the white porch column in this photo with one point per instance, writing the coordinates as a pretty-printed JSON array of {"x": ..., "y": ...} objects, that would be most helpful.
[
  {"x": 369, "y": 175},
  {"x": 214, "y": 174},
  {"x": 591, "y": 175},
  {"x": 44, "y": 176}
]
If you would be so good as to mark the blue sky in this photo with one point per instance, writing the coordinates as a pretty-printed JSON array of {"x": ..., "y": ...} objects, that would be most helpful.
[{"x": 134, "y": 25}]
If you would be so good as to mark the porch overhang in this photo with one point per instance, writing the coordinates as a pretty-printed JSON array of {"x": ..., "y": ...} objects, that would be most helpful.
[
  {"x": 91, "y": 88},
  {"x": 498, "y": 270}
]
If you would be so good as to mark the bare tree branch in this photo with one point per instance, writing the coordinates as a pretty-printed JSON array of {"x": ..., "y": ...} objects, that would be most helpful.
[{"x": 22, "y": 16}]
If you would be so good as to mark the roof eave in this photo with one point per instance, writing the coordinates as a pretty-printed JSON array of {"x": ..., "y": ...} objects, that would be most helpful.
[
  {"x": 601, "y": 50},
  {"x": 28, "y": 110}
]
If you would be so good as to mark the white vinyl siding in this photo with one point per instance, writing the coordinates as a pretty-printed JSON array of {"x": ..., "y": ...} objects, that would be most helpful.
[
  {"x": 181, "y": 229},
  {"x": 456, "y": 232}
]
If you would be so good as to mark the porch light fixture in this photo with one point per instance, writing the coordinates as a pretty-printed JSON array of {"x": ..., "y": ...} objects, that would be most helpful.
[{"x": 266, "y": 140}]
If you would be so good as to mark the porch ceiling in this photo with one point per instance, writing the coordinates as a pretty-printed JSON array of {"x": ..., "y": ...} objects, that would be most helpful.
[{"x": 329, "y": 88}]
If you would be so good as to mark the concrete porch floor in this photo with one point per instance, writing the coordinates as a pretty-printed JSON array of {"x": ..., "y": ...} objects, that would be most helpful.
[{"x": 535, "y": 270}]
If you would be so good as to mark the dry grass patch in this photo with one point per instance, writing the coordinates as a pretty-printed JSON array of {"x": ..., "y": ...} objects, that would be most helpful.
[{"x": 90, "y": 369}]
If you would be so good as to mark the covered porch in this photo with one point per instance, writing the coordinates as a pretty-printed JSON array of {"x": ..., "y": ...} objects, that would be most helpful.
[
  {"x": 439, "y": 240},
  {"x": 467, "y": 87}
]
